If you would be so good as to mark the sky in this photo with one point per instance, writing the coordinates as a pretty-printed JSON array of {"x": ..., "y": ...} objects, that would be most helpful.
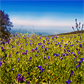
[{"x": 44, "y": 14}]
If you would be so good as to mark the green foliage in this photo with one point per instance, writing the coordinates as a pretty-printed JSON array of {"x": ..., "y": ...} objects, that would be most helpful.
[{"x": 57, "y": 69}]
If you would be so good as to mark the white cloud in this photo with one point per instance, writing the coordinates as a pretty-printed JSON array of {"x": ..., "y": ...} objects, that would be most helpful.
[{"x": 40, "y": 22}]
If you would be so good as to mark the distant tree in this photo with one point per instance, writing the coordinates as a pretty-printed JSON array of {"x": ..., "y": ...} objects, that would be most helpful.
[{"x": 5, "y": 26}]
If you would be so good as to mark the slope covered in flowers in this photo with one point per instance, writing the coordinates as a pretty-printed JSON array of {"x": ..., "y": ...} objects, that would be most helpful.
[{"x": 36, "y": 59}]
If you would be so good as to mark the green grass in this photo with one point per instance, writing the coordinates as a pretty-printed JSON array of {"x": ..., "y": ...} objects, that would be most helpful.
[{"x": 55, "y": 70}]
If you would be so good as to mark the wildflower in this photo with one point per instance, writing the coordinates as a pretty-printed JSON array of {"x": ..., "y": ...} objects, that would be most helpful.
[
  {"x": 12, "y": 68},
  {"x": 64, "y": 50},
  {"x": 26, "y": 51},
  {"x": 82, "y": 59},
  {"x": 41, "y": 77},
  {"x": 22, "y": 79},
  {"x": 73, "y": 61},
  {"x": 28, "y": 72},
  {"x": 79, "y": 62},
  {"x": 48, "y": 43},
  {"x": 30, "y": 58},
  {"x": 68, "y": 50},
  {"x": 2, "y": 48},
  {"x": 43, "y": 41},
  {"x": 17, "y": 52},
  {"x": 56, "y": 44},
  {"x": 35, "y": 54},
  {"x": 68, "y": 81},
  {"x": 42, "y": 69},
  {"x": 48, "y": 57},
  {"x": 37, "y": 51},
  {"x": 19, "y": 77},
  {"x": 0, "y": 63},
  {"x": 44, "y": 57},
  {"x": 42, "y": 47},
  {"x": 81, "y": 45},
  {"x": 28, "y": 82},
  {"x": 18, "y": 59},
  {"x": 78, "y": 65},
  {"x": 72, "y": 72},
  {"x": 33, "y": 49},
  {"x": 40, "y": 43},
  {"x": 36, "y": 48},
  {"x": 26, "y": 44},
  {"x": 45, "y": 49},
  {"x": 78, "y": 52},
  {"x": 23, "y": 53},
  {"x": 71, "y": 52}
]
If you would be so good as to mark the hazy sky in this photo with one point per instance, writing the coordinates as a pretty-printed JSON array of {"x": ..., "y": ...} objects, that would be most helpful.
[{"x": 44, "y": 13}]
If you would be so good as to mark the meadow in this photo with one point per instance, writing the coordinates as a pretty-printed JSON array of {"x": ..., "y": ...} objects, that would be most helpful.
[{"x": 37, "y": 59}]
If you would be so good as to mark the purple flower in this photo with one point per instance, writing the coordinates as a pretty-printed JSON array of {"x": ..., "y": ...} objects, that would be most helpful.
[
  {"x": 45, "y": 49},
  {"x": 19, "y": 77},
  {"x": 30, "y": 58},
  {"x": 40, "y": 43},
  {"x": 68, "y": 50},
  {"x": 73, "y": 61},
  {"x": 9, "y": 55},
  {"x": 72, "y": 72},
  {"x": 0, "y": 63},
  {"x": 78, "y": 52},
  {"x": 82, "y": 59},
  {"x": 44, "y": 57},
  {"x": 43, "y": 41},
  {"x": 79, "y": 62},
  {"x": 48, "y": 57},
  {"x": 37, "y": 51},
  {"x": 69, "y": 81},
  {"x": 33, "y": 49},
  {"x": 42, "y": 69},
  {"x": 18, "y": 59},
  {"x": 64, "y": 50},
  {"x": 81, "y": 45},
  {"x": 36, "y": 48},
  {"x": 2, "y": 48},
  {"x": 71, "y": 52},
  {"x": 17, "y": 52},
  {"x": 78, "y": 65},
  {"x": 56, "y": 44},
  {"x": 35, "y": 54},
  {"x": 42, "y": 47},
  {"x": 22, "y": 79},
  {"x": 28, "y": 82},
  {"x": 48, "y": 43},
  {"x": 28, "y": 72}
]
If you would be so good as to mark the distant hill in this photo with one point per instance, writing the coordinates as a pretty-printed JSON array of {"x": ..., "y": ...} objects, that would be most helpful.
[{"x": 75, "y": 32}]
